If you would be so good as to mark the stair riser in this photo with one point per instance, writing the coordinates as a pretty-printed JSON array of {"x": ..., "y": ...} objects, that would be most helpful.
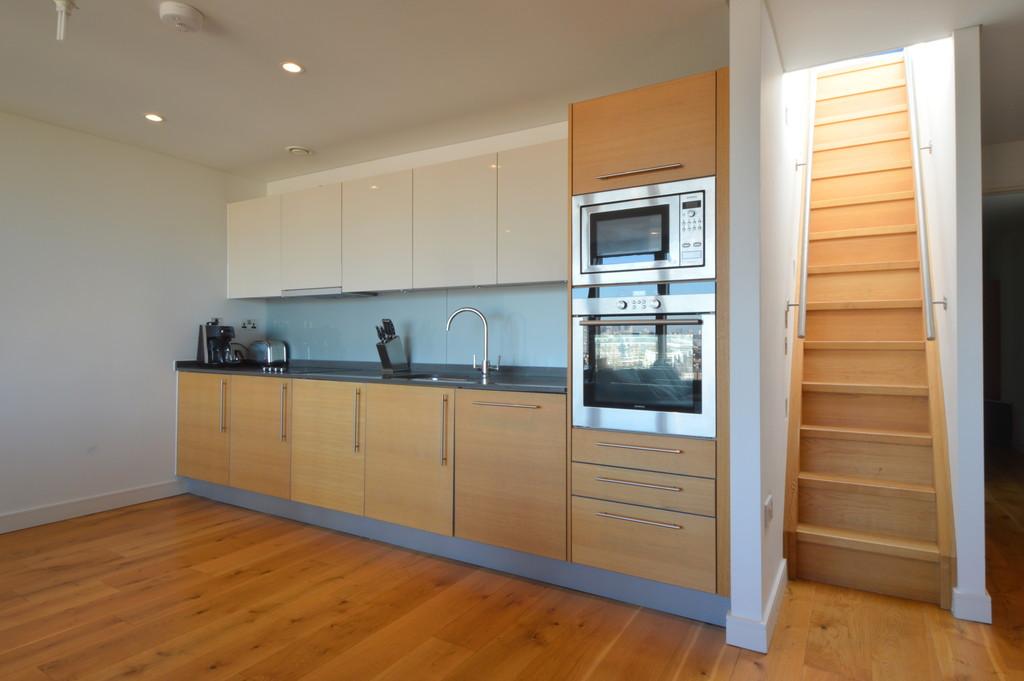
[
  {"x": 864, "y": 249},
  {"x": 856, "y": 82},
  {"x": 902, "y": 324},
  {"x": 868, "y": 412},
  {"x": 861, "y": 128},
  {"x": 868, "y": 184},
  {"x": 875, "y": 367},
  {"x": 868, "y": 460},
  {"x": 869, "y": 101},
  {"x": 862, "y": 159},
  {"x": 880, "y": 214},
  {"x": 877, "y": 285},
  {"x": 890, "y": 515},
  {"x": 890, "y": 575}
]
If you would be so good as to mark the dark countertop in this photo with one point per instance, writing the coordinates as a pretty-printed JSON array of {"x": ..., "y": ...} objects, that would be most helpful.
[{"x": 517, "y": 379}]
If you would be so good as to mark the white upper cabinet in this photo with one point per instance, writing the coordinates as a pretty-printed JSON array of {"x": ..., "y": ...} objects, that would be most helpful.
[
  {"x": 533, "y": 186},
  {"x": 311, "y": 238},
  {"x": 455, "y": 223},
  {"x": 254, "y": 248},
  {"x": 376, "y": 236}
]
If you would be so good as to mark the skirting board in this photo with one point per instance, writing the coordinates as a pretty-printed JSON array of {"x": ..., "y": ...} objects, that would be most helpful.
[
  {"x": 710, "y": 608},
  {"x": 51, "y": 513},
  {"x": 972, "y": 606},
  {"x": 755, "y": 635}
]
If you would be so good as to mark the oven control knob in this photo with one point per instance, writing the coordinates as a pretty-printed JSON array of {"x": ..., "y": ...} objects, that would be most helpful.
[
  {"x": 623, "y": 304},
  {"x": 656, "y": 304}
]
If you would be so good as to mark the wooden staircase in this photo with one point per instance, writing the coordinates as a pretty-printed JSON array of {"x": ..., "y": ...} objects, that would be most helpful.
[{"x": 869, "y": 500}]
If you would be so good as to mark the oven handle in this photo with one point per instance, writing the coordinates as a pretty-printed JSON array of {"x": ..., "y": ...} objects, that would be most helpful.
[{"x": 643, "y": 322}]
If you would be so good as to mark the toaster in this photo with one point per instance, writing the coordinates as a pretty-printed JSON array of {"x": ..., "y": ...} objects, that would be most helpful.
[{"x": 269, "y": 353}]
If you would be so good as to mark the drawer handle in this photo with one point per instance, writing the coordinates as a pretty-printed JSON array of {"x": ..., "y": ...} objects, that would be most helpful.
[
  {"x": 444, "y": 429},
  {"x": 639, "y": 171},
  {"x": 284, "y": 402},
  {"x": 223, "y": 389},
  {"x": 507, "y": 404},
  {"x": 647, "y": 485},
  {"x": 639, "y": 448},
  {"x": 614, "y": 516},
  {"x": 355, "y": 421}
]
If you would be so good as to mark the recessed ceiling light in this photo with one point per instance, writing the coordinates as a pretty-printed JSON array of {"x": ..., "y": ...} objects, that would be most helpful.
[
  {"x": 299, "y": 151},
  {"x": 373, "y": 186},
  {"x": 292, "y": 67},
  {"x": 154, "y": 118}
]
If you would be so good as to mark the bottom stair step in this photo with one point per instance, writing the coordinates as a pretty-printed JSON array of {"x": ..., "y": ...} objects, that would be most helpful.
[{"x": 866, "y": 541}]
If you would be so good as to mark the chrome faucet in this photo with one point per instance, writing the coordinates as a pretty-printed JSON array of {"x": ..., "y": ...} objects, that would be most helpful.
[{"x": 478, "y": 313}]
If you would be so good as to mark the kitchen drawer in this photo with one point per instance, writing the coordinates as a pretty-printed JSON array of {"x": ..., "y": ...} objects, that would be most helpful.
[
  {"x": 659, "y": 490},
  {"x": 670, "y": 547},
  {"x": 679, "y": 455}
]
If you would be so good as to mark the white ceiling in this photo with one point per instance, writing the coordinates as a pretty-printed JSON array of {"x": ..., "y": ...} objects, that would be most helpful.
[
  {"x": 380, "y": 73},
  {"x": 813, "y": 32}
]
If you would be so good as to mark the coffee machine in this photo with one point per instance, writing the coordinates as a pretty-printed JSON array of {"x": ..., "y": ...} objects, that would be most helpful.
[{"x": 214, "y": 345}]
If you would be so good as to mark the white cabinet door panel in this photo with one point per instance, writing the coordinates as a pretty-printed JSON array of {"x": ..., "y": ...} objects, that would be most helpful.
[
  {"x": 254, "y": 248},
  {"x": 376, "y": 235},
  {"x": 311, "y": 238}
]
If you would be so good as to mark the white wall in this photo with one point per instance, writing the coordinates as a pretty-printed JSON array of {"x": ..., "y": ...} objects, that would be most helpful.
[{"x": 111, "y": 256}]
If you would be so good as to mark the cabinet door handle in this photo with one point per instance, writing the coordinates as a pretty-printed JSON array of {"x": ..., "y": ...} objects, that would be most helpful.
[
  {"x": 639, "y": 171},
  {"x": 511, "y": 405},
  {"x": 223, "y": 418},
  {"x": 284, "y": 400},
  {"x": 646, "y": 485},
  {"x": 355, "y": 423},
  {"x": 660, "y": 450},
  {"x": 614, "y": 516},
  {"x": 444, "y": 430}
]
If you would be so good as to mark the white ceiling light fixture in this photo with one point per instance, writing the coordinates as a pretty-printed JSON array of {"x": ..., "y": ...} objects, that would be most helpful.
[
  {"x": 182, "y": 17},
  {"x": 298, "y": 151},
  {"x": 64, "y": 8},
  {"x": 154, "y": 118},
  {"x": 292, "y": 67}
]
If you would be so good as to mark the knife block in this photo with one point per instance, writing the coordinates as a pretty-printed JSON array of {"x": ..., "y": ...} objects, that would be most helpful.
[{"x": 393, "y": 360}]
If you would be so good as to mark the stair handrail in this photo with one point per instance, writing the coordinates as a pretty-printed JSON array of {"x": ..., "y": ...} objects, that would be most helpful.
[
  {"x": 922, "y": 225},
  {"x": 805, "y": 235}
]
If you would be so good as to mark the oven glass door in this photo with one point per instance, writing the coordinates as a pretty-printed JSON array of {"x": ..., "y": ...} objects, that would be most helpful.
[
  {"x": 631, "y": 235},
  {"x": 648, "y": 373}
]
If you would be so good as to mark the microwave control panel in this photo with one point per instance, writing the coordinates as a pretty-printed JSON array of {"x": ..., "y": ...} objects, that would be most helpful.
[{"x": 691, "y": 229}]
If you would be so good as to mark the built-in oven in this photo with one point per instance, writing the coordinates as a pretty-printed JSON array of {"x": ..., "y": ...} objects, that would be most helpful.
[
  {"x": 644, "y": 358},
  {"x": 659, "y": 232}
]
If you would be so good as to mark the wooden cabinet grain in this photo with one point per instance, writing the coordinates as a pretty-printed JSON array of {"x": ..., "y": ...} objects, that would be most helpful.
[
  {"x": 311, "y": 238},
  {"x": 254, "y": 248},
  {"x": 622, "y": 139},
  {"x": 533, "y": 185},
  {"x": 203, "y": 427},
  {"x": 455, "y": 223},
  {"x": 510, "y": 470},
  {"x": 327, "y": 453},
  {"x": 376, "y": 235},
  {"x": 260, "y": 435},
  {"x": 409, "y": 456}
]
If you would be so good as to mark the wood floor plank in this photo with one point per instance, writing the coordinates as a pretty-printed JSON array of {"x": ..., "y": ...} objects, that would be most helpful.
[
  {"x": 432, "y": 660},
  {"x": 651, "y": 648}
]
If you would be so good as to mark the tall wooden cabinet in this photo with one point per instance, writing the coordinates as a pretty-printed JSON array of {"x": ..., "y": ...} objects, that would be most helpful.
[
  {"x": 203, "y": 427},
  {"x": 410, "y": 434},
  {"x": 260, "y": 435},
  {"x": 510, "y": 471},
  {"x": 327, "y": 444}
]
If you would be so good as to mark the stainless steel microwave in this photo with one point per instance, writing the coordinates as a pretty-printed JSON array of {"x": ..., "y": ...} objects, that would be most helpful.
[{"x": 659, "y": 232}]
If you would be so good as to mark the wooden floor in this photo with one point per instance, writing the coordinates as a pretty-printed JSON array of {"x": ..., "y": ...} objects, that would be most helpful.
[{"x": 188, "y": 589}]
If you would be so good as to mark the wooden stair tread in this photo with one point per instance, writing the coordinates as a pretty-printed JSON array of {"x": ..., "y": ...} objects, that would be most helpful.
[
  {"x": 866, "y": 388},
  {"x": 874, "y": 486},
  {"x": 858, "y": 232},
  {"x": 863, "y": 65},
  {"x": 864, "y": 345},
  {"x": 891, "y": 84},
  {"x": 865, "y": 267},
  {"x": 863, "y": 200},
  {"x": 863, "y": 304},
  {"x": 864, "y": 139},
  {"x": 893, "y": 165},
  {"x": 864, "y": 435},
  {"x": 868, "y": 541},
  {"x": 858, "y": 115}
]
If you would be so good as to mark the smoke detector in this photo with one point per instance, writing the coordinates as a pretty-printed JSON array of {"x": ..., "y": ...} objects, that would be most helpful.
[{"x": 182, "y": 17}]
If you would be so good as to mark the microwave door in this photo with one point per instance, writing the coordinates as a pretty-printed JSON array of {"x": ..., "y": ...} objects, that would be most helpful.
[{"x": 629, "y": 236}]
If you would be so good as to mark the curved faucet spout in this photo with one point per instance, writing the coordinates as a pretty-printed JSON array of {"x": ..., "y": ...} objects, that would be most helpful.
[{"x": 478, "y": 313}]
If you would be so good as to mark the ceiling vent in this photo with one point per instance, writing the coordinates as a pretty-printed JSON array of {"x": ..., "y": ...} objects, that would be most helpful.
[{"x": 182, "y": 17}]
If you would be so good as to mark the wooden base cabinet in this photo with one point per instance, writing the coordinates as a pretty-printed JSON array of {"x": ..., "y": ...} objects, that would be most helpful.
[
  {"x": 203, "y": 427},
  {"x": 510, "y": 471},
  {"x": 410, "y": 433},
  {"x": 327, "y": 450},
  {"x": 260, "y": 435}
]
